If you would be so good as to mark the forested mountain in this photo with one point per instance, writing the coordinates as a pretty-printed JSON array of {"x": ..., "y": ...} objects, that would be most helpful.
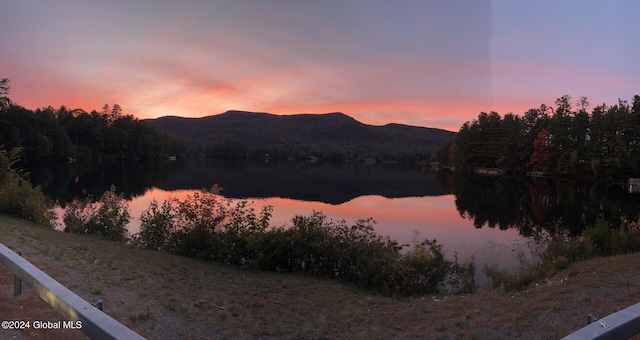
[
  {"x": 603, "y": 143},
  {"x": 49, "y": 135},
  {"x": 336, "y": 136}
]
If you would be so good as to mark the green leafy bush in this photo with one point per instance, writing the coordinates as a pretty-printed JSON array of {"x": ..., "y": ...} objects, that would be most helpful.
[
  {"x": 327, "y": 248},
  {"x": 17, "y": 196},
  {"x": 422, "y": 269},
  {"x": 108, "y": 217},
  {"x": 601, "y": 236},
  {"x": 209, "y": 227},
  {"x": 204, "y": 225},
  {"x": 156, "y": 225}
]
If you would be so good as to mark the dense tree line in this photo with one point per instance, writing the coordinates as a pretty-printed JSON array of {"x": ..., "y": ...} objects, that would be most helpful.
[
  {"x": 49, "y": 135},
  {"x": 565, "y": 140},
  {"x": 228, "y": 149}
]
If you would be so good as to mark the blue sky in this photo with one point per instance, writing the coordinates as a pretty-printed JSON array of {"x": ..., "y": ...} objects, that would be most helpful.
[{"x": 426, "y": 63}]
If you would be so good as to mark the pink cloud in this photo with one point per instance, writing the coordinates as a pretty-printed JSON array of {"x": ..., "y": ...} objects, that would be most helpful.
[{"x": 522, "y": 86}]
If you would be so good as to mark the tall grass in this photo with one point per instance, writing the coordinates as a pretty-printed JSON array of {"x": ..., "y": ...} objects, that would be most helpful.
[{"x": 554, "y": 252}]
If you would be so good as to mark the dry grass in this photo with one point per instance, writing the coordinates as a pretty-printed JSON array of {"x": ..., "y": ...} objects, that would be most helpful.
[{"x": 163, "y": 296}]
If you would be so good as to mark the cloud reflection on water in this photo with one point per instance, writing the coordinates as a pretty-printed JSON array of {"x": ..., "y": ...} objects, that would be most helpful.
[{"x": 432, "y": 217}]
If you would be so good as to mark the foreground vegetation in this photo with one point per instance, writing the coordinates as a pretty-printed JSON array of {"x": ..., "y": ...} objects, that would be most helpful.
[
  {"x": 208, "y": 227},
  {"x": 161, "y": 295},
  {"x": 17, "y": 196},
  {"x": 552, "y": 253}
]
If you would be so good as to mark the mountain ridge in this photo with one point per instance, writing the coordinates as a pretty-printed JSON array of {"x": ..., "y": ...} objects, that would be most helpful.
[
  {"x": 326, "y": 114},
  {"x": 296, "y": 135}
]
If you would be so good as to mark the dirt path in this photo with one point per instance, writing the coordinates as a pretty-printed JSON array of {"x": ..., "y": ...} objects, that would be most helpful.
[{"x": 162, "y": 296}]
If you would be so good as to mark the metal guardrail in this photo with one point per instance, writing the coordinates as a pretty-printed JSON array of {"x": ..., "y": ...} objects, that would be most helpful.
[
  {"x": 622, "y": 324},
  {"x": 95, "y": 323}
]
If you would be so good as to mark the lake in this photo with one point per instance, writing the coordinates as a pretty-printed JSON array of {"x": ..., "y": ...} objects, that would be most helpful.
[{"x": 489, "y": 219}]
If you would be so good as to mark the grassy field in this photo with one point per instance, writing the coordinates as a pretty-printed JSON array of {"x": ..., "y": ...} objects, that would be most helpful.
[{"x": 162, "y": 296}]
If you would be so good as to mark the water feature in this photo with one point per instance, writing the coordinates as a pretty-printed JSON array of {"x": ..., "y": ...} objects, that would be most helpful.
[{"x": 491, "y": 219}]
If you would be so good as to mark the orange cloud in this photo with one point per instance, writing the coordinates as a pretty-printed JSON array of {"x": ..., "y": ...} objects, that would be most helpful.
[
  {"x": 197, "y": 80},
  {"x": 375, "y": 91},
  {"x": 442, "y": 113}
]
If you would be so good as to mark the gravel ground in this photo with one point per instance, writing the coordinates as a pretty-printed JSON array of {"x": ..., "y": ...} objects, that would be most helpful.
[{"x": 162, "y": 296}]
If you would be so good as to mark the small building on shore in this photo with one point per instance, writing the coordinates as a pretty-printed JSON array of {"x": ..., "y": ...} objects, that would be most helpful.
[
  {"x": 634, "y": 185},
  {"x": 537, "y": 173},
  {"x": 489, "y": 171}
]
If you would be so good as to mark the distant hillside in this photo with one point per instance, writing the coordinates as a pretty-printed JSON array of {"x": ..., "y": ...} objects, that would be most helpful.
[{"x": 331, "y": 135}]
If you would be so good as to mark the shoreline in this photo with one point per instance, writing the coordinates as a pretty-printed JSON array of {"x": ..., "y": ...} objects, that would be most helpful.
[{"x": 158, "y": 295}]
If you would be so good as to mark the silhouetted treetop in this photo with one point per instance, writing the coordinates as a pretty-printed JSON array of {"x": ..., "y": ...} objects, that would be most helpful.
[{"x": 566, "y": 140}]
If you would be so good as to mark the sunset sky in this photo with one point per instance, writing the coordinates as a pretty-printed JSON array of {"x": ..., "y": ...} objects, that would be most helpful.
[{"x": 426, "y": 63}]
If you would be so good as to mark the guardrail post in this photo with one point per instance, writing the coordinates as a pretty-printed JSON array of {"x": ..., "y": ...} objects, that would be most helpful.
[
  {"x": 622, "y": 324},
  {"x": 17, "y": 283},
  {"x": 95, "y": 323},
  {"x": 98, "y": 304}
]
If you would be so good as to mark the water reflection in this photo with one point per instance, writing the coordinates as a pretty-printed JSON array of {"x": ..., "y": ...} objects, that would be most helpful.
[
  {"x": 487, "y": 217},
  {"x": 535, "y": 205},
  {"x": 317, "y": 182},
  {"x": 64, "y": 182},
  {"x": 401, "y": 219}
]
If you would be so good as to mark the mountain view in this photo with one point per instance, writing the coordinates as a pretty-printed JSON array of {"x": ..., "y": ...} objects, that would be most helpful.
[
  {"x": 332, "y": 135},
  {"x": 319, "y": 169}
]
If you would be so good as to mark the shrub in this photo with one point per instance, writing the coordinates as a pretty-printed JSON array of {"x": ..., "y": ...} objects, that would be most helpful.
[
  {"x": 17, "y": 196},
  {"x": 560, "y": 263},
  {"x": 424, "y": 270},
  {"x": 156, "y": 225},
  {"x": 206, "y": 226},
  {"x": 327, "y": 248},
  {"x": 461, "y": 277},
  {"x": 600, "y": 235},
  {"x": 108, "y": 217}
]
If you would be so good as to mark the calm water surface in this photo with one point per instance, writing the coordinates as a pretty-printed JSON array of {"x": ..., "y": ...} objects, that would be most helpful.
[
  {"x": 486, "y": 218},
  {"x": 402, "y": 219}
]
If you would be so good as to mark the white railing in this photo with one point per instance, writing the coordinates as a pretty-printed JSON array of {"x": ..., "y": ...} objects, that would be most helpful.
[
  {"x": 622, "y": 324},
  {"x": 95, "y": 323}
]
